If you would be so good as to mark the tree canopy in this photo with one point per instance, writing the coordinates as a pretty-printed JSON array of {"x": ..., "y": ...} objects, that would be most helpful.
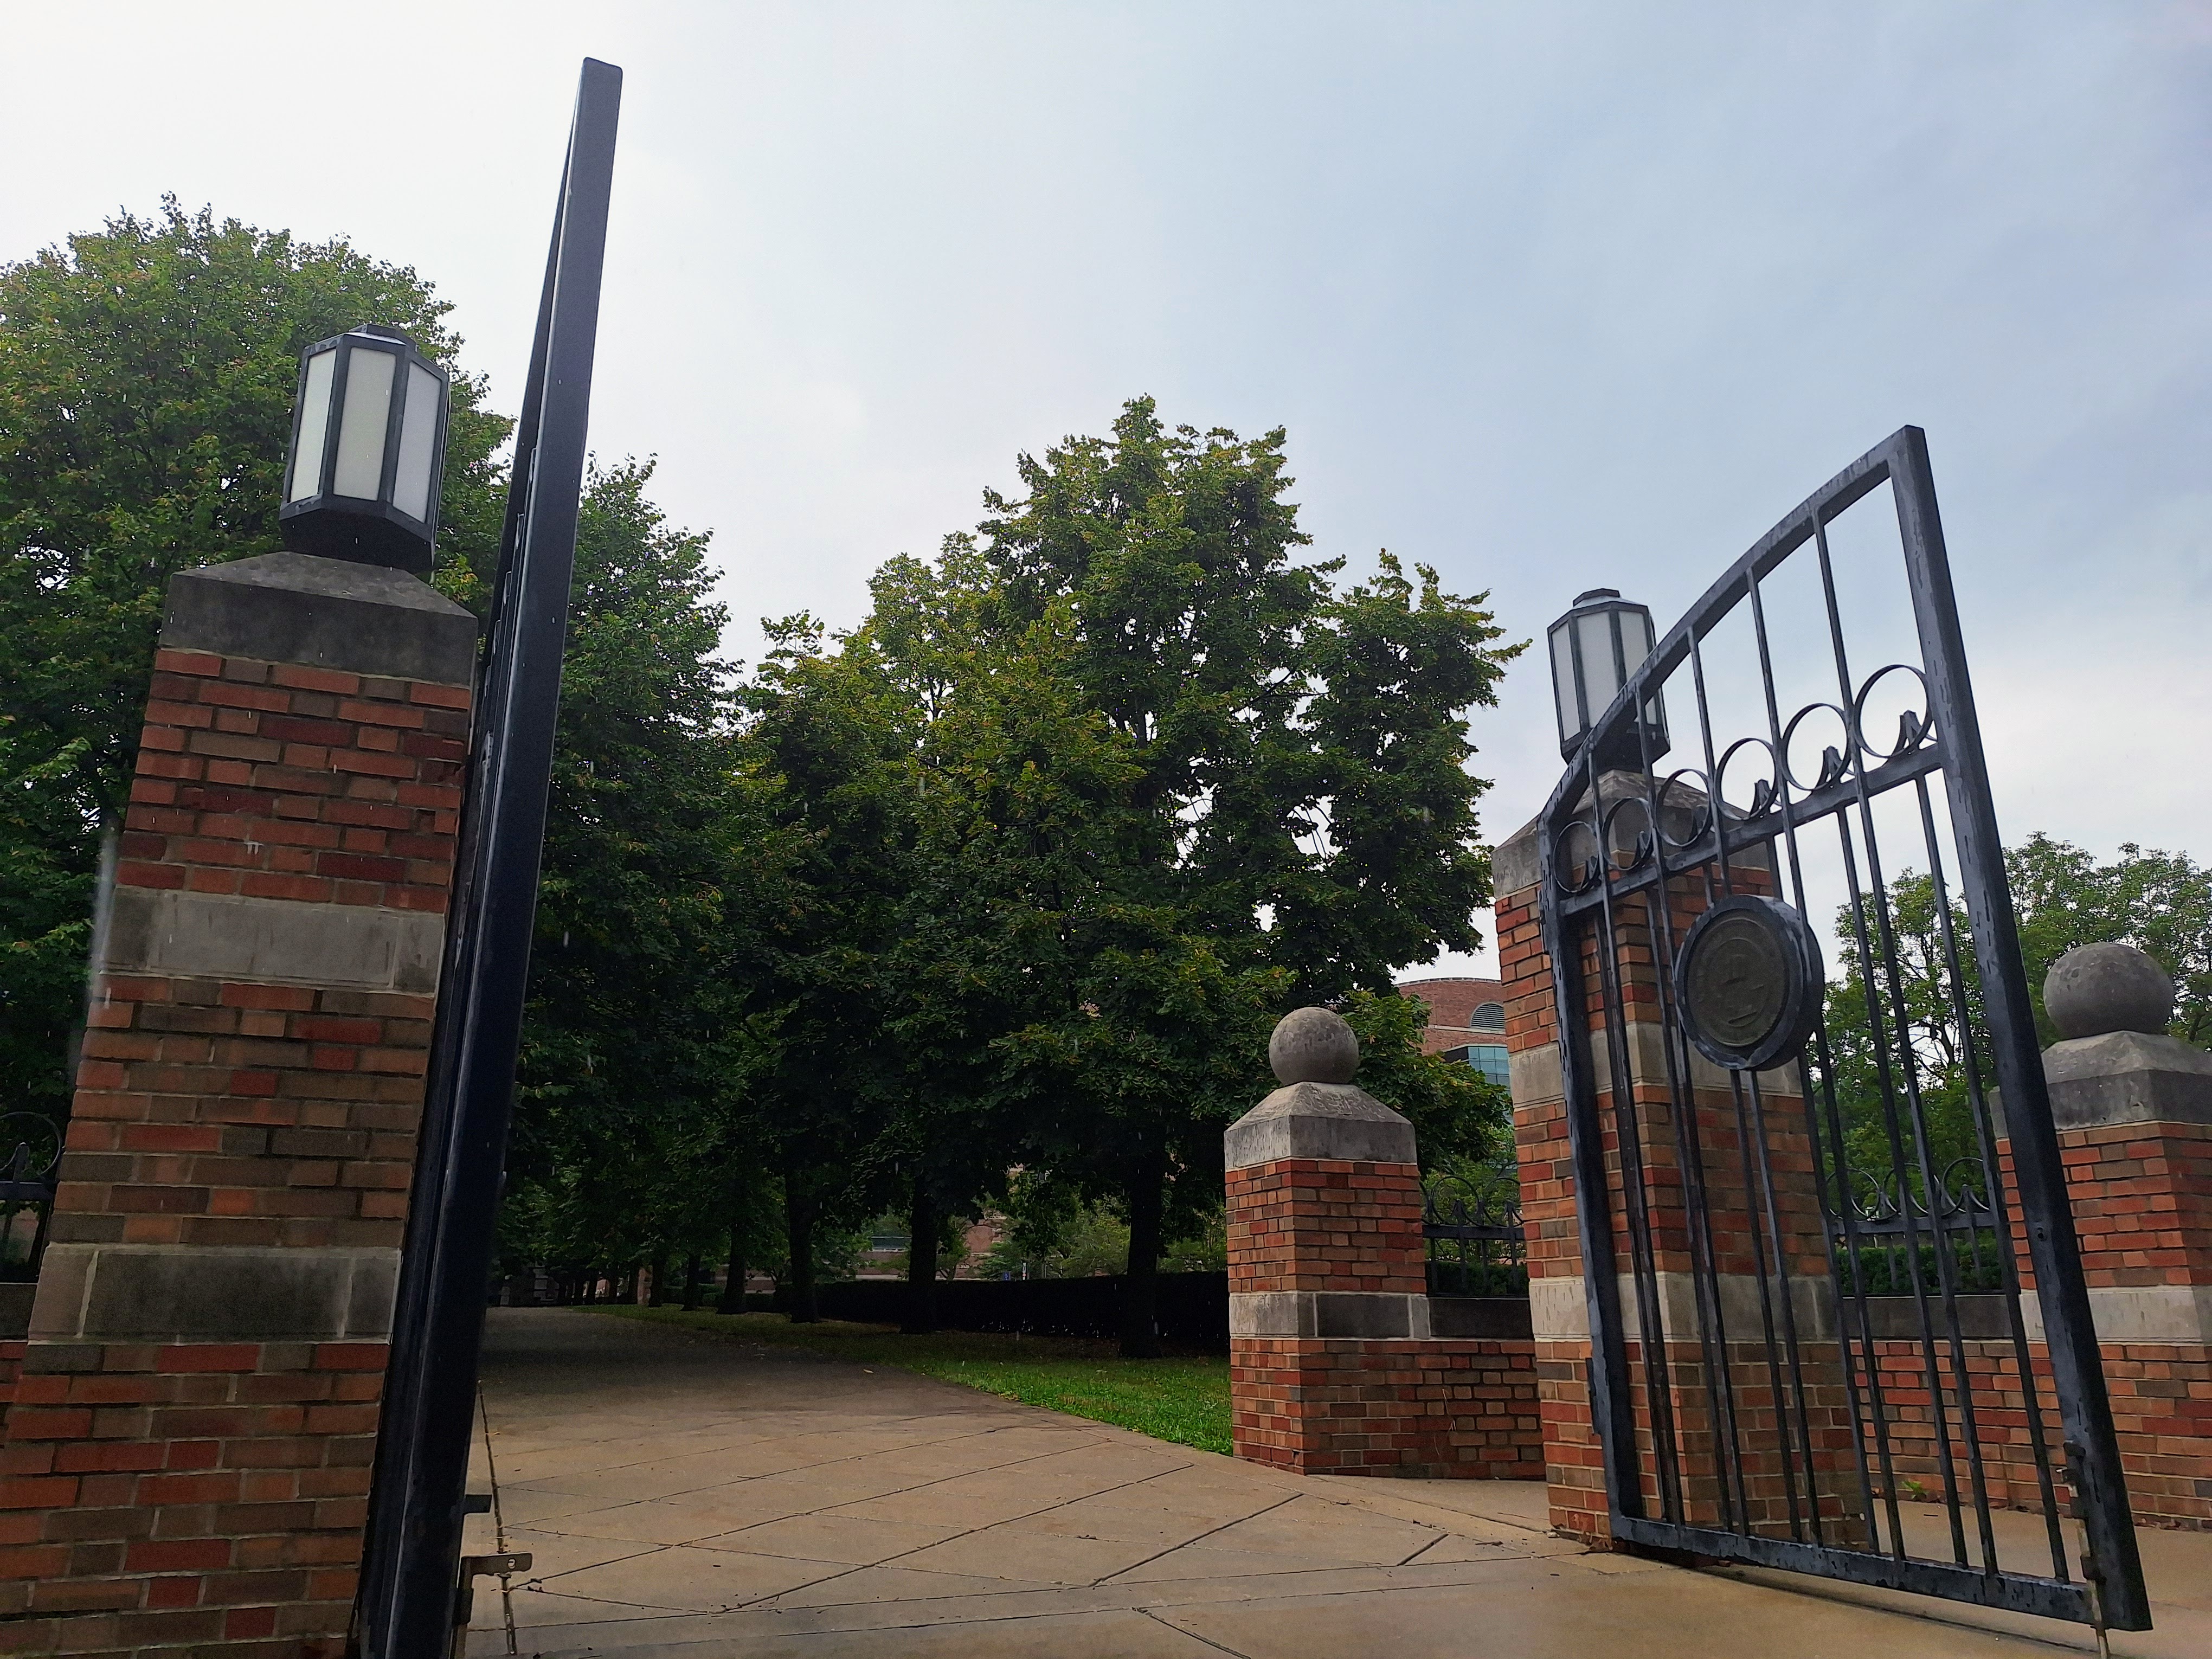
[
  {"x": 988, "y": 902},
  {"x": 147, "y": 372}
]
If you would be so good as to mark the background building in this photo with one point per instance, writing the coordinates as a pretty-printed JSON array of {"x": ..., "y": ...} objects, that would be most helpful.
[{"x": 1467, "y": 1021}]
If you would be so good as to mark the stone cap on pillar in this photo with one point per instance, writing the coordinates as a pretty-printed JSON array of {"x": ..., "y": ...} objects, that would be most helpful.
[
  {"x": 1319, "y": 1112},
  {"x": 2115, "y": 1063},
  {"x": 324, "y": 613}
]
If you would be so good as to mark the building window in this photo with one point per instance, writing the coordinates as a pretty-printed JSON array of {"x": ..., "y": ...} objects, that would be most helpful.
[
  {"x": 1487, "y": 1058},
  {"x": 1489, "y": 1016}
]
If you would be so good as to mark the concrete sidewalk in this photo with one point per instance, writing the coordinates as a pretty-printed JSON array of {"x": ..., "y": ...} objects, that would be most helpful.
[{"x": 690, "y": 1498}]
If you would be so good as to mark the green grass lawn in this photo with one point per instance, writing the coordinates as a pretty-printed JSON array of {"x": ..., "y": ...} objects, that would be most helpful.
[{"x": 1184, "y": 1399}]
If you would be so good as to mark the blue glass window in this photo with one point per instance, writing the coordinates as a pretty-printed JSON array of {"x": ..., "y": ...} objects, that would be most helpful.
[{"x": 1489, "y": 1058}]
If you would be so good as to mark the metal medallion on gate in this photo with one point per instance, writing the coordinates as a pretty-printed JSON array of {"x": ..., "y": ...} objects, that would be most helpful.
[{"x": 1748, "y": 983}]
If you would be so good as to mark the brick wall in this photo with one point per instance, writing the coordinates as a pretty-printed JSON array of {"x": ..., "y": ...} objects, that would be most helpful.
[
  {"x": 187, "y": 1457},
  {"x": 1342, "y": 1238},
  {"x": 1327, "y": 1224},
  {"x": 1441, "y": 1406}
]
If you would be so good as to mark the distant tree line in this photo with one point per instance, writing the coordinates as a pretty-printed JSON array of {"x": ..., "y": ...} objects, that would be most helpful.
[{"x": 989, "y": 902}]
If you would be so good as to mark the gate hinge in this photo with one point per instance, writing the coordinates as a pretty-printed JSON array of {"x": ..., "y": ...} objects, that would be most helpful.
[{"x": 465, "y": 1594}]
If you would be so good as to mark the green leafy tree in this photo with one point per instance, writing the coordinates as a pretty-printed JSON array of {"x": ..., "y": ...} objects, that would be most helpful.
[
  {"x": 45, "y": 927},
  {"x": 825, "y": 743},
  {"x": 146, "y": 372},
  {"x": 636, "y": 1051},
  {"x": 2063, "y": 897},
  {"x": 2160, "y": 902},
  {"x": 1889, "y": 1040},
  {"x": 1297, "y": 818}
]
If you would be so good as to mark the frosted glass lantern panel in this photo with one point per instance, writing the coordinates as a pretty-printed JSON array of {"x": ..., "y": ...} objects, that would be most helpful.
[
  {"x": 314, "y": 427},
  {"x": 1563, "y": 684},
  {"x": 418, "y": 438},
  {"x": 1600, "y": 676},
  {"x": 359, "y": 467}
]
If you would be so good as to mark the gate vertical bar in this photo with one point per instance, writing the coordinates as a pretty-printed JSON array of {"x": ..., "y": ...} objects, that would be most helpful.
[
  {"x": 1611, "y": 1411},
  {"x": 411, "y": 1563},
  {"x": 2070, "y": 1332}
]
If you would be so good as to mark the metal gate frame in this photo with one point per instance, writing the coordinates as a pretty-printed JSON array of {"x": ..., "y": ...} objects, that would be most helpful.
[
  {"x": 1579, "y": 897},
  {"x": 410, "y": 1590}
]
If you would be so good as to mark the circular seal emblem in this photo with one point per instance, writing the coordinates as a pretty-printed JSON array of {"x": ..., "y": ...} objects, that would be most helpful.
[{"x": 1747, "y": 983}]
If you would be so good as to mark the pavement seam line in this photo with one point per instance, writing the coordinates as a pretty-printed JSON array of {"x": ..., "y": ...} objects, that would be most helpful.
[
  {"x": 1234, "y": 1653},
  {"x": 796, "y": 1468},
  {"x": 970, "y": 1532},
  {"x": 1199, "y": 1539},
  {"x": 1426, "y": 1548},
  {"x": 653, "y": 1612},
  {"x": 896, "y": 1492}
]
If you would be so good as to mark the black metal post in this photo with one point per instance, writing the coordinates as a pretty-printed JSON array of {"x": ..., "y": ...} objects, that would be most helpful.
[
  {"x": 410, "y": 1566},
  {"x": 2069, "y": 1327}
]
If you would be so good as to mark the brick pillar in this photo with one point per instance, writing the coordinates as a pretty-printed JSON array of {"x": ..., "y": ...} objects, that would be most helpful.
[
  {"x": 1333, "y": 1368},
  {"x": 1574, "y": 1465},
  {"x": 187, "y": 1457},
  {"x": 2134, "y": 1112}
]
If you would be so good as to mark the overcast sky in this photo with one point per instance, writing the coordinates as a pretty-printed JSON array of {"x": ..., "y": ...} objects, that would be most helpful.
[{"x": 1550, "y": 296}]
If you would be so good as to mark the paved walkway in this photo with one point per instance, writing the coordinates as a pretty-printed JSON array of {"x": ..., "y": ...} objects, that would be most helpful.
[{"x": 690, "y": 1498}]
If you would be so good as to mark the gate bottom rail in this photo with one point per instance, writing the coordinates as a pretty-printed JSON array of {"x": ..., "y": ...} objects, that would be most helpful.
[{"x": 2009, "y": 1591}]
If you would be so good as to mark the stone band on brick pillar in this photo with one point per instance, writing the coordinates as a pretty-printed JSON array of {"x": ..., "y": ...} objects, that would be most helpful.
[
  {"x": 1333, "y": 1366},
  {"x": 187, "y": 1456}
]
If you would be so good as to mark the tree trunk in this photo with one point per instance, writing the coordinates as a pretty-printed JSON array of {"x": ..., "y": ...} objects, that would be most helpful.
[
  {"x": 733, "y": 1288},
  {"x": 660, "y": 1297},
  {"x": 922, "y": 1263},
  {"x": 799, "y": 1209},
  {"x": 692, "y": 1269},
  {"x": 1140, "y": 1285}
]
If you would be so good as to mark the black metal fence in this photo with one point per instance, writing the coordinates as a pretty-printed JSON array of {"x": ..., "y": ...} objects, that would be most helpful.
[
  {"x": 32, "y": 1146},
  {"x": 1471, "y": 1221}
]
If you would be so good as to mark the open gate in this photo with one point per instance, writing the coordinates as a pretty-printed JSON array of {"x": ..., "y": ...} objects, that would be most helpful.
[{"x": 1830, "y": 1272}]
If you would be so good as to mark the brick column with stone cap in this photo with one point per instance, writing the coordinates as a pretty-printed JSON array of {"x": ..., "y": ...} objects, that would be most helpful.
[
  {"x": 1334, "y": 1367},
  {"x": 187, "y": 1455},
  {"x": 2133, "y": 1112},
  {"x": 1727, "y": 1147}
]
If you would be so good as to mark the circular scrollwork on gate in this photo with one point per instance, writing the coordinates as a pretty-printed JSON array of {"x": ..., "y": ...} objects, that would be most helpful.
[
  {"x": 1915, "y": 723},
  {"x": 1747, "y": 983}
]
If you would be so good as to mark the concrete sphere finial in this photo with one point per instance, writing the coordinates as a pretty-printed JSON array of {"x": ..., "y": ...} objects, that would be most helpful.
[
  {"x": 1313, "y": 1045},
  {"x": 2096, "y": 988}
]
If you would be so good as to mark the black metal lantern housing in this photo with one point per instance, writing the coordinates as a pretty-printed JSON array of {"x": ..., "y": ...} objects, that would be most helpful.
[
  {"x": 368, "y": 451},
  {"x": 1595, "y": 646}
]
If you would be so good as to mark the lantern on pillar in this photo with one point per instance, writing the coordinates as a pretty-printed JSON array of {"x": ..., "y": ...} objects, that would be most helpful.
[
  {"x": 368, "y": 451},
  {"x": 1595, "y": 648}
]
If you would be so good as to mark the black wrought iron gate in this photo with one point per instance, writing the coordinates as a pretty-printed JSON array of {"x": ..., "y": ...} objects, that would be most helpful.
[{"x": 1839, "y": 1321}]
